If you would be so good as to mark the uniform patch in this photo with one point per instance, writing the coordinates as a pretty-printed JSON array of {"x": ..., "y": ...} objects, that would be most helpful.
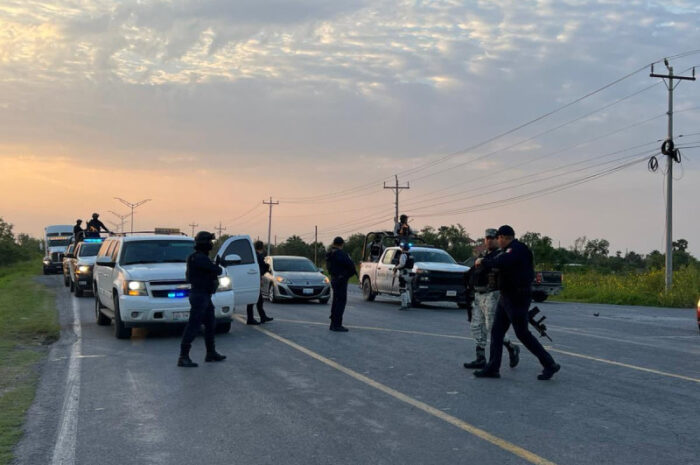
[{"x": 509, "y": 250}]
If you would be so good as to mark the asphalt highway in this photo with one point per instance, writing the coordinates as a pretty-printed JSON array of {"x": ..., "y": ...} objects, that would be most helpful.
[{"x": 390, "y": 391}]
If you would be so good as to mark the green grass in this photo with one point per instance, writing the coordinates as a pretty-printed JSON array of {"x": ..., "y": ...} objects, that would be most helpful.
[
  {"x": 28, "y": 323},
  {"x": 633, "y": 288}
]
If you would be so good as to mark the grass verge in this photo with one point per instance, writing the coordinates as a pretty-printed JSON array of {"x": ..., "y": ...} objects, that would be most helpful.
[
  {"x": 633, "y": 289},
  {"x": 28, "y": 323}
]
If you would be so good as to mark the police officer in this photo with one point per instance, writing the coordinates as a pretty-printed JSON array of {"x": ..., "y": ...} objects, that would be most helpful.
[
  {"x": 516, "y": 273},
  {"x": 405, "y": 270},
  {"x": 264, "y": 268},
  {"x": 376, "y": 248},
  {"x": 485, "y": 298},
  {"x": 94, "y": 226},
  {"x": 78, "y": 231},
  {"x": 402, "y": 230},
  {"x": 203, "y": 276},
  {"x": 342, "y": 268}
]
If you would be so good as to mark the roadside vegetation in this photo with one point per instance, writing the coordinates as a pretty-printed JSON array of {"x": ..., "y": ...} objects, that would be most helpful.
[
  {"x": 28, "y": 323},
  {"x": 592, "y": 272}
]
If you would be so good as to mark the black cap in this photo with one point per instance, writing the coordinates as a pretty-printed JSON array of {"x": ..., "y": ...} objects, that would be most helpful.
[
  {"x": 338, "y": 241},
  {"x": 403, "y": 217},
  {"x": 204, "y": 237},
  {"x": 505, "y": 230}
]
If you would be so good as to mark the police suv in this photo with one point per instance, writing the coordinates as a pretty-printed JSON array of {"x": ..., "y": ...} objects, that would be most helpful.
[{"x": 139, "y": 280}]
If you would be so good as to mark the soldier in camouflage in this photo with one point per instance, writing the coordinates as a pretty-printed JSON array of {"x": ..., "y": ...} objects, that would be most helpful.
[{"x": 486, "y": 298}]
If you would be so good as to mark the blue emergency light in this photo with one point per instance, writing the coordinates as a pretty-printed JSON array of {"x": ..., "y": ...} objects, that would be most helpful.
[
  {"x": 176, "y": 295},
  {"x": 88, "y": 239}
]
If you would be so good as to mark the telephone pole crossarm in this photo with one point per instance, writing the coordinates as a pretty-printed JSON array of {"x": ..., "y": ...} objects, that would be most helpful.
[
  {"x": 269, "y": 222},
  {"x": 397, "y": 189}
]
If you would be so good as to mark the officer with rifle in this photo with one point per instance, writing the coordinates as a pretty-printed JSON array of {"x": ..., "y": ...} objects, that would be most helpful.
[
  {"x": 405, "y": 271},
  {"x": 515, "y": 275},
  {"x": 486, "y": 295},
  {"x": 341, "y": 268}
]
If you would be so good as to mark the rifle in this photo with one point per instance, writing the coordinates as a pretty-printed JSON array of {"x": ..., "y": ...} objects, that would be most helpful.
[{"x": 538, "y": 324}]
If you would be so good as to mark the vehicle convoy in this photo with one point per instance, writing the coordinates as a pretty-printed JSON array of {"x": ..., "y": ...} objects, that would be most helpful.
[
  {"x": 139, "y": 280},
  {"x": 56, "y": 239},
  {"x": 436, "y": 275},
  {"x": 66, "y": 263},
  {"x": 81, "y": 261},
  {"x": 293, "y": 278}
]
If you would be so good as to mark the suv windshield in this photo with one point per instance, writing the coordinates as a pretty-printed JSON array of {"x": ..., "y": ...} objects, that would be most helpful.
[
  {"x": 293, "y": 264},
  {"x": 89, "y": 250},
  {"x": 156, "y": 251},
  {"x": 432, "y": 256}
]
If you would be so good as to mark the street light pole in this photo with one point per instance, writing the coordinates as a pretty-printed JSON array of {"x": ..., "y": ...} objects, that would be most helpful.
[{"x": 132, "y": 206}]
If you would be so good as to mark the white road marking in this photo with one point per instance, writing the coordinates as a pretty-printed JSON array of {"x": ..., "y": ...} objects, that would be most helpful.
[{"x": 64, "y": 450}]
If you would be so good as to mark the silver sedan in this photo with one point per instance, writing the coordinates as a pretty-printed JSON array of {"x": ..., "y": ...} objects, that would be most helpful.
[{"x": 292, "y": 278}]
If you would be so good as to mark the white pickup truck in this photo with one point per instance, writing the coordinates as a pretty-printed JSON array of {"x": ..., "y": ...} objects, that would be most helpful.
[{"x": 436, "y": 276}]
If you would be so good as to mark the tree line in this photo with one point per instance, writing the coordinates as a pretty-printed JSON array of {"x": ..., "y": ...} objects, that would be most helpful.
[{"x": 16, "y": 248}]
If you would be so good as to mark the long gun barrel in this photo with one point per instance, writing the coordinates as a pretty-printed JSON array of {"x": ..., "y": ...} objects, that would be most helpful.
[{"x": 538, "y": 324}]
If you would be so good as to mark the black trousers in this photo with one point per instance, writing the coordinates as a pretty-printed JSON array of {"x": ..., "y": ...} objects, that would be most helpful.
[
  {"x": 259, "y": 305},
  {"x": 201, "y": 312},
  {"x": 340, "y": 298},
  {"x": 513, "y": 310}
]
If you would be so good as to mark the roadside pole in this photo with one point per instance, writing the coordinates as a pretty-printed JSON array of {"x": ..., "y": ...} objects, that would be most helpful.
[{"x": 269, "y": 223}]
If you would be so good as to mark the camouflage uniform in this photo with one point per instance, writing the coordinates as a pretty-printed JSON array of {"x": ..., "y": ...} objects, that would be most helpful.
[{"x": 482, "y": 320}]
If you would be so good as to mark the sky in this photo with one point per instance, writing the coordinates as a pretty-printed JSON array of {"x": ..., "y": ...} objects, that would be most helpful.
[{"x": 538, "y": 114}]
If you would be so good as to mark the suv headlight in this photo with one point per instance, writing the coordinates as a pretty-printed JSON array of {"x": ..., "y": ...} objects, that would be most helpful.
[
  {"x": 84, "y": 269},
  {"x": 135, "y": 288},
  {"x": 282, "y": 279},
  {"x": 326, "y": 280},
  {"x": 423, "y": 272},
  {"x": 224, "y": 284}
]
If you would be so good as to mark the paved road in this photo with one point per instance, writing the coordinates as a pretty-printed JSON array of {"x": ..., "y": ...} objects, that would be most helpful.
[{"x": 391, "y": 391}]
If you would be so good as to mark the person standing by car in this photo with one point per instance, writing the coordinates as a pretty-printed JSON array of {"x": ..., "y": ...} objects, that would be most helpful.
[
  {"x": 264, "y": 268},
  {"x": 516, "y": 270},
  {"x": 486, "y": 299},
  {"x": 203, "y": 276},
  {"x": 341, "y": 268},
  {"x": 94, "y": 226},
  {"x": 405, "y": 271}
]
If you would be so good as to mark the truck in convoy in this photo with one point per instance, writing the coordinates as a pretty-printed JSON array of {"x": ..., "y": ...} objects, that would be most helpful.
[
  {"x": 436, "y": 276},
  {"x": 56, "y": 239}
]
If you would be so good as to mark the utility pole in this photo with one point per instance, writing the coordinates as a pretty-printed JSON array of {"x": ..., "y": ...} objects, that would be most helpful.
[
  {"x": 668, "y": 149},
  {"x": 269, "y": 223},
  {"x": 219, "y": 228},
  {"x": 194, "y": 225},
  {"x": 122, "y": 218},
  {"x": 396, "y": 188},
  {"x": 132, "y": 206},
  {"x": 315, "y": 245}
]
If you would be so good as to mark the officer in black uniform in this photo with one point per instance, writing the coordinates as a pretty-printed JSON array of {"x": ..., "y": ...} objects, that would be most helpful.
[
  {"x": 342, "y": 268},
  {"x": 78, "y": 231},
  {"x": 264, "y": 268},
  {"x": 516, "y": 273},
  {"x": 203, "y": 276},
  {"x": 94, "y": 226}
]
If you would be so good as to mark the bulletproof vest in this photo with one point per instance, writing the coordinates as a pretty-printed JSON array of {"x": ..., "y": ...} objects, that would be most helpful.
[
  {"x": 409, "y": 261},
  {"x": 200, "y": 280},
  {"x": 486, "y": 281}
]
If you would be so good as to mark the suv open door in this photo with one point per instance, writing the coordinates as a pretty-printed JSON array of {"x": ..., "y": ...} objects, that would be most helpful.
[{"x": 238, "y": 256}]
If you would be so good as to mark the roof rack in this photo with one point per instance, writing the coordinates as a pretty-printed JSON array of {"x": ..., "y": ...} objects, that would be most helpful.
[
  {"x": 157, "y": 231},
  {"x": 393, "y": 241}
]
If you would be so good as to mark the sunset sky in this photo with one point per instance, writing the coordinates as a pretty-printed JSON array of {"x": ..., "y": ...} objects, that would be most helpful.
[{"x": 209, "y": 107}]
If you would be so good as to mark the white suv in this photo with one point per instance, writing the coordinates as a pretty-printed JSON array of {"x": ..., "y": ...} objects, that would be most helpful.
[{"x": 140, "y": 280}]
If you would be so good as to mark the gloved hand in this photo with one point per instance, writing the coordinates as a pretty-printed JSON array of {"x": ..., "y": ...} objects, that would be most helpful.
[{"x": 217, "y": 260}]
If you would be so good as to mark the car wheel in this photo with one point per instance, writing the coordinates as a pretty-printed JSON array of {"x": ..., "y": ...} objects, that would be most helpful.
[
  {"x": 539, "y": 296},
  {"x": 100, "y": 318},
  {"x": 223, "y": 328},
  {"x": 72, "y": 286},
  {"x": 45, "y": 271},
  {"x": 367, "y": 292},
  {"x": 271, "y": 294},
  {"x": 65, "y": 281},
  {"x": 120, "y": 331},
  {"x": 78, "y": 291}
]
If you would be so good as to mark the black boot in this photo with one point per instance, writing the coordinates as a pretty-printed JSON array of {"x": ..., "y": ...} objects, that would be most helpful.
[
  {"x": 184, "y": 360},
  {"x": 486, "y": 373},
  {"x": 513, "y": 353},
  {"x": 480, "y": 361},
  {"x": 212, "y": 354},
  {"x": 265, "y": 319},
  {"x": 548, "y": 372},
  {"x": 252, "y": 321}
]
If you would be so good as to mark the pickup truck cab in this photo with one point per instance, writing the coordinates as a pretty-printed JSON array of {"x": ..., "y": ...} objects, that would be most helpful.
[
  {"x": 139, "y": 281},
  {"x": 546, "y": 283},
  {"x": 436, "y": 276}
]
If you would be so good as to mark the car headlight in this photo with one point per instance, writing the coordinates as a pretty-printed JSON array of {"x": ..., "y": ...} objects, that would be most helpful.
[
  {"x": 423, "y": 272},
  {"x": 326, "y": 280},
  {"x": 84, "y": 269},
  {"x": 224, "y": 284},
  {"x": 135, "y": 288},
  {"x": 281, "y": 279},
  {"x": 47, "y": 261}
]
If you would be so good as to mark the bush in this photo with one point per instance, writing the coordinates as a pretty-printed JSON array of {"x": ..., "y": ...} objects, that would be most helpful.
[{"x": 646, "y": 288}]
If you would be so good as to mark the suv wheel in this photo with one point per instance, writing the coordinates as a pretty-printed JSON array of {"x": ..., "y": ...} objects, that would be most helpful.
[
  {"x": 222, "y": 328},
  {"x": 78, "y": 291},
  {"x": 65, "y": 281},
  {"x": 100, "y": 318},
  {"x": 120, "y": 331},
  {"x": 367, "y": 292},
  {"x": 271, "y": 294},
  {"x": 72, "y": 286}
]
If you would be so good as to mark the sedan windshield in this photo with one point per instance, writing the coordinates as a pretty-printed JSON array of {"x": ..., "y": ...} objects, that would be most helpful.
[
  {"x": 89, "y": 250},
  {"x": 432, "y": 256},
  {"x": 156, "y": 251},
  {"x": 293, "y": 264}
]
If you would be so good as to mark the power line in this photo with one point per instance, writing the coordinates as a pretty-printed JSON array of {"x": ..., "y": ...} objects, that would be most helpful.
[{"x": 220, "y": 229}]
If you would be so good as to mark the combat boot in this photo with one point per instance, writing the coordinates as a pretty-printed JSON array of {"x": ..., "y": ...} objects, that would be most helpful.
[
  {"x": 513, "y": 354},
  {"x": 486, "y": 373},
  {"x": 184, "y": 360},
  {"x": 212, "y": 354},
  {"x": 480, "y": 361},
  {"x": 548, "y": 372}
]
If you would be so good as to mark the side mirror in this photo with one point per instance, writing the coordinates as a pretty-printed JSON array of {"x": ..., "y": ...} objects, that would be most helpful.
[
  {"x": 320, "y": 270},
  {"x": 105, "y": 261},
  {"x": 233, "y": 259}
]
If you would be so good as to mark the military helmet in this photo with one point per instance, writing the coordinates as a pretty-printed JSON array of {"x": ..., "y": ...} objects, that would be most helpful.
[
  {"x": 203, "y": 237},
  {"x": 405, "y": 246},
  {"x": 95, "y": 215},
  {"x": 403, "y": 218}
]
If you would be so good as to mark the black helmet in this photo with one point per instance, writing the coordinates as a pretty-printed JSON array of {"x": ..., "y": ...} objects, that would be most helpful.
[
  {"x": 338, "y": 241},
  {"x": 403, "y": 218},
  {"x": 78, "y": 221},
  {"x": 95, "y": 215},
  {"x": 405, "y": 246},
  {"x": 203, "y": 237}
]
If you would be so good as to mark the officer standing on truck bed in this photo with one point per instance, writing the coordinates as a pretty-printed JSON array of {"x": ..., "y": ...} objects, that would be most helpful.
[
  {"x": 94, "y": 226},
  {"x": 516, "y": 272},
  {"x": 203, "y": 276},
  {"x": 78, "y": 230},
  {"x": 341, "y": 268},
  {"x": 486, "y": 297}
]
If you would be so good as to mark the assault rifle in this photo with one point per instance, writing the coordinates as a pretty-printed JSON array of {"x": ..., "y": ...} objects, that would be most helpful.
[{"x": 538, "y": 324}]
